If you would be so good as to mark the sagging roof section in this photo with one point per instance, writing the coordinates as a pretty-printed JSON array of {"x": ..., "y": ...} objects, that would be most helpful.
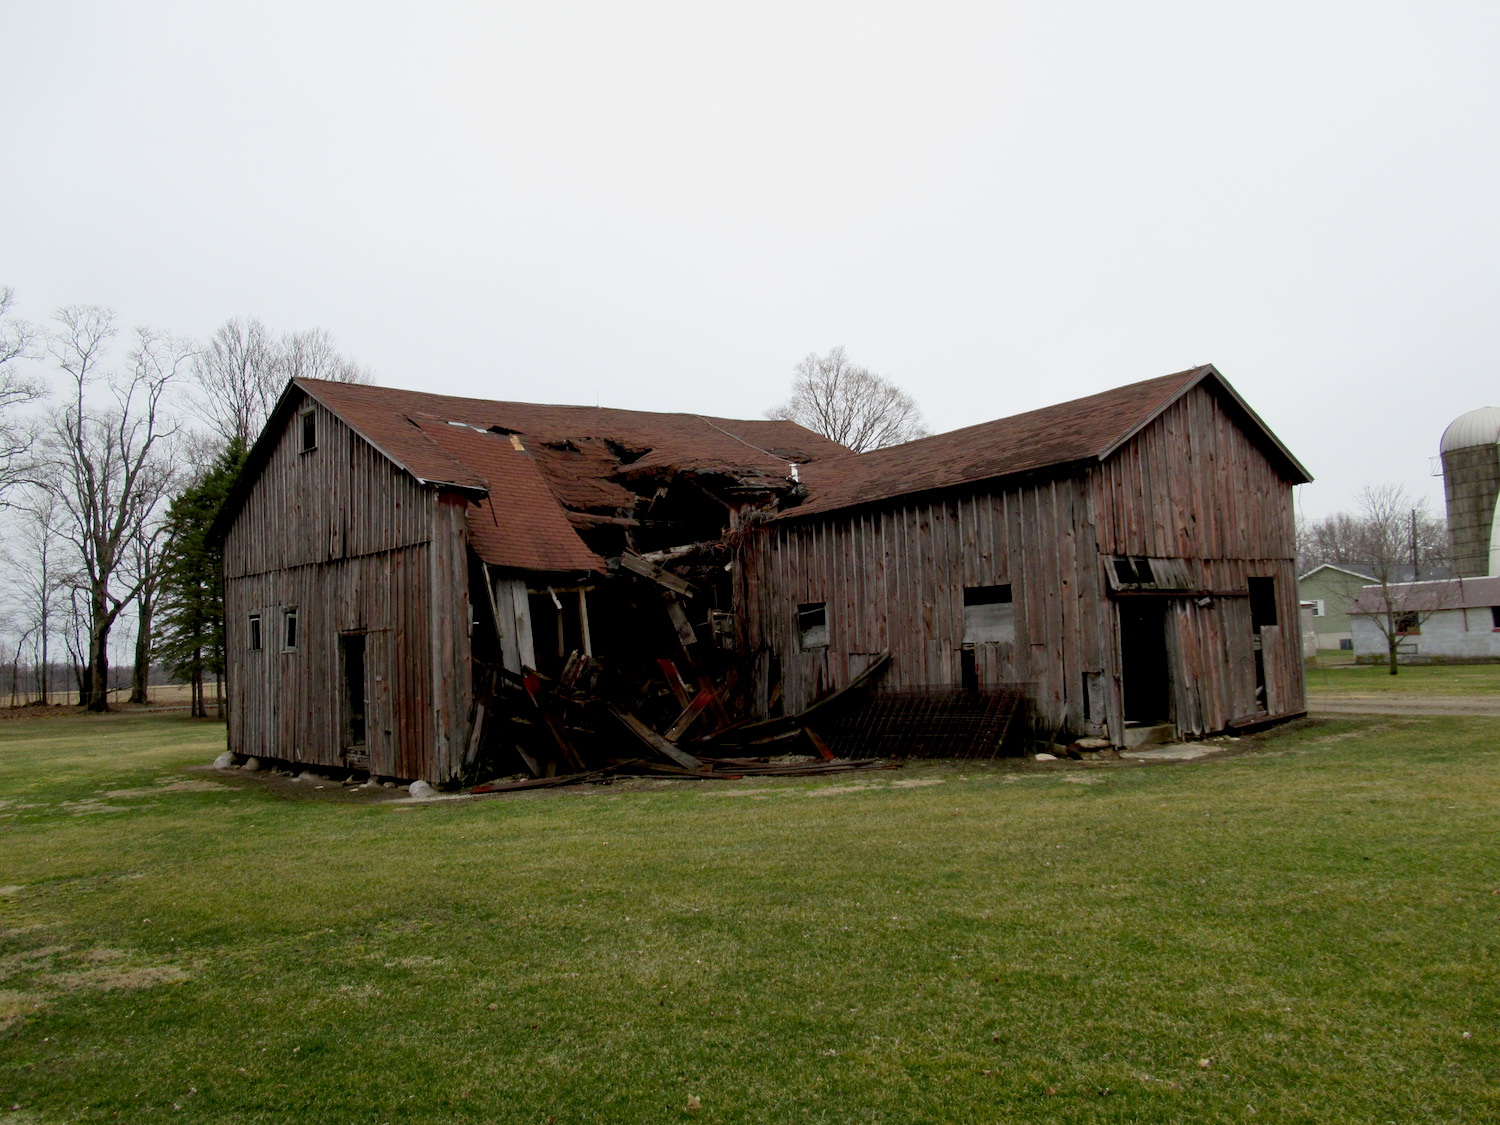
[
  {"x": 538, "y": 475},
  {"x": 1083, "y": 430}
]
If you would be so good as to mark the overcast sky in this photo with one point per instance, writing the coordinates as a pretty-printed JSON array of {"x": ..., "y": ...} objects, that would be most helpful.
[{"x": 665, "y": 205}]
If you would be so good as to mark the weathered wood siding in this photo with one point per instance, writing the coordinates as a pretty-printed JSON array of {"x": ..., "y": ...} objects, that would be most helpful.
[
  {"x": 1190, "y": 487},
  {"x": 894, "y": 578},
  {"x": 1194, "y": 486},
  {"x": 356, "y": 546}
]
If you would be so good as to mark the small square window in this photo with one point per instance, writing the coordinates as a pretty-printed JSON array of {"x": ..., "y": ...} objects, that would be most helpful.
[
  {"x": 255, "y": 643},
  {"x": 309, "y": 430},
  {"x": 1495, "y": 616},
  {"x": 989, "y": 614},
  {"x": 812, "y": 625},
  {"x": 289, "y": 629},
  {"x": 1409, "y": 624},
  {"x": 1319, "y": 608}
]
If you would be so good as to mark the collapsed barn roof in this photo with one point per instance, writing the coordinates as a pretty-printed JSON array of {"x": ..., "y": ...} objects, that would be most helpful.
[{"x": 538, "y": 475}]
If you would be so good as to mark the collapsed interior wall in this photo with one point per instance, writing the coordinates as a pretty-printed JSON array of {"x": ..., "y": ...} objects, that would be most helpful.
[{"x": 654, "y": 631}]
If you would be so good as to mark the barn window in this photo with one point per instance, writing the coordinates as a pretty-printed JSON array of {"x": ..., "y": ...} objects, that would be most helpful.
[
  {"x": 1408, "y": 624},
  {"x": 1495, "y": 616},
  {"x": 255, "y": 632},
  {"x": 289, "y": 629},
  {"x": 1319, "y": 608},
  {"x": 812, "y": 625},
  {"x": 989, "y": 614},
  {"x": 1134, "y": 572},
  {"x": 1262, "y": 603},
  {"x": 309, "y": 431}
]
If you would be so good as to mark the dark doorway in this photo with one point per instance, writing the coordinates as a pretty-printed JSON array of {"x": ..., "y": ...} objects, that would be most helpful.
[
  {"x": 352, "y": 651},
  {"x": 1262, "y": 616},
  {"x": 1146, "y": 679}
]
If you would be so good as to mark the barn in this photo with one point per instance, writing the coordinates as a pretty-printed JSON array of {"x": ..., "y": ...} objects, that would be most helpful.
[
  {"x": 1127, "y": 559},
  {"x": 396, "y": 563},
  {"x": 391, "y": 556}
]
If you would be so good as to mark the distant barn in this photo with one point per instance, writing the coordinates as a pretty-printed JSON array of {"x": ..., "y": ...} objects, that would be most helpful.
[{"x": 392, "y": 556}]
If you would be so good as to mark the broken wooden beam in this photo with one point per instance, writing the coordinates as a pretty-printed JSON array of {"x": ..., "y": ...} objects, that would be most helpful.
[
  {"x": 655, "y": 741},
  {"x": 662, "y": 577}
]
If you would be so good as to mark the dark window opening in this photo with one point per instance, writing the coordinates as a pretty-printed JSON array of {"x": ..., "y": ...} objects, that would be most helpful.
[
  {"x": 289, "y": 629},
  {"x": 353, "y": 651},
  {"x": 1134, "y": 572},
  {"x": 968, "y": 669},
  {"x": 1408, "y": 624},
  {"x": 1495, "y": 616},
  {"x": 309, "y": 431},
  {"x": 255, "y": 632},
  {"x": 987, "y": 595},
  {"x": 812, "y": 625},
  {"x": 1262, "y": 603},
  {"x": 989, "y": 615}
]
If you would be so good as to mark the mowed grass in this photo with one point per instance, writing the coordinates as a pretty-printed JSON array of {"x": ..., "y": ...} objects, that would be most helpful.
[
  {"x": 1413, "y": 680},
  {"x": 1305, "y": 930}
]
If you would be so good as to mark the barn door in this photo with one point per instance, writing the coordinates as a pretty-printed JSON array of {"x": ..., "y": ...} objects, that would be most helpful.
[
  {"x": 1145, "y": 669},
  {"x": 379, "y": 720}
]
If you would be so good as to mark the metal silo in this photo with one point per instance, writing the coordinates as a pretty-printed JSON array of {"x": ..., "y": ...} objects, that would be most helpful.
[{"x": 1471, "y": 486}]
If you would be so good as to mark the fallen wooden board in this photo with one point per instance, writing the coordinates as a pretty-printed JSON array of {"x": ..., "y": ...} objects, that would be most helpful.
[
  {"x": 543, "y": 782},
  {"x": 655, "y": 741},
  {"x": 746, "y": 732}
]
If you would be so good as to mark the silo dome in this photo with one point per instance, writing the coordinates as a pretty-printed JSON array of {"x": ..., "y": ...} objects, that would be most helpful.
[{"x": 1477, "y": 427}]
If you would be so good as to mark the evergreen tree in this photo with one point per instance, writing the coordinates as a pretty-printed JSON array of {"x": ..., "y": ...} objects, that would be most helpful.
[{"x": 191, "y": 620}]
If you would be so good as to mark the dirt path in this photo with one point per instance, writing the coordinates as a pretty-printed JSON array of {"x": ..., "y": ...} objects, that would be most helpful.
[{"x": 1354, "y": 703}]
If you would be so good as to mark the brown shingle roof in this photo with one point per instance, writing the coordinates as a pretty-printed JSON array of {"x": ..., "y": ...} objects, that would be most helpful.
[
  {"x": 569, "y": 457},
  {"x": 687, "y": 440},
  {"x": 518, "y": 522},
  {"x": 1085, "y": 429}
]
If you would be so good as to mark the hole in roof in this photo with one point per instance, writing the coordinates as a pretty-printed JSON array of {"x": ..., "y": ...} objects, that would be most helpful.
[
  {"x": 624, "y": 453},
  {"x": 503, "y": 430}
]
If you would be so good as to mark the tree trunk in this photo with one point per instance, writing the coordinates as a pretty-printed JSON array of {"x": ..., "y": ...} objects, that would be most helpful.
[
  {"x": 195, "y": 686},
  {"x": 139, "y": 686},
  {"x": 1391, "y": 654},
  {"x": 98, "y": 688}
]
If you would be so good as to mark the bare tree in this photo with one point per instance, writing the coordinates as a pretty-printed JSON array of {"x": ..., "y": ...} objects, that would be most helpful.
[
  {"x": 1395, "y": 542},
  {"x": 242, "y": 369},
  {"x": 37, "y": 576},
  {"x": 850, "y": 404},
  {"x": 143, "y": 564},
  {"x": 238, "y": 379},
  {"x": 312, "y": 354},
  {"x": 18, "y": 343},
  {"x": 1343, "y": 539},
  {"x": 104, "y": 464}
]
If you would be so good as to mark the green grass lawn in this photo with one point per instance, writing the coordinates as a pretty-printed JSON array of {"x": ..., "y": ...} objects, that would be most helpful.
[
  {"x": 1434, "y": 680},
  {"x": 1303, "y": 932}
]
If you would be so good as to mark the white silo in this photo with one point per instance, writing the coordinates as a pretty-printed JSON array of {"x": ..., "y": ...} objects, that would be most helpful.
[{"x": 1471, "y": 486}]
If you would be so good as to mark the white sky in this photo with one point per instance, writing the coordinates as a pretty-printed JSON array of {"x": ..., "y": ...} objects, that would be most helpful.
[{"x": 665, "y": 205}]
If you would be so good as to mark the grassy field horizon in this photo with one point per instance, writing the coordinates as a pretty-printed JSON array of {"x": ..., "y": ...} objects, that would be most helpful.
[{"x": 1302, "y": 930}]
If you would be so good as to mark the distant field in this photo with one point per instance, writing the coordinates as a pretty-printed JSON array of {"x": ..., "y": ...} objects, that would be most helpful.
[
  {"x": 162, "y": 694},
  {"x": 1412, "y": 679},
  {"x": 1303, "y": 931}
]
